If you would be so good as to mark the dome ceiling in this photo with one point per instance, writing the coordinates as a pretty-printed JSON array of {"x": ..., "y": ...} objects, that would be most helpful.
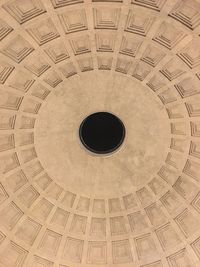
[{"x": 64, "y": 206}]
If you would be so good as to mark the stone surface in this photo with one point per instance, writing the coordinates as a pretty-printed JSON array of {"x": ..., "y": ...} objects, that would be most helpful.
[{"x": 63, "y": 206}]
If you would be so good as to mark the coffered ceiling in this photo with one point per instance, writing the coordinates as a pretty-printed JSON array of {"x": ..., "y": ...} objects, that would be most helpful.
[{"x": 62, "y": 206}]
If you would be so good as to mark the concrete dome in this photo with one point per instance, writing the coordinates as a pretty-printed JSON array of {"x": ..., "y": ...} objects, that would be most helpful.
[{"x": 62, "y": 205}]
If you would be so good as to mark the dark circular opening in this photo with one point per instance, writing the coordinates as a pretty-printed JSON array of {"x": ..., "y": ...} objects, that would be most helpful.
[{"x": 102, "y": 132}]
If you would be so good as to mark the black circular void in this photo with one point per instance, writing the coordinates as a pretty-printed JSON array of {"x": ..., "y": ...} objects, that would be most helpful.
[{"x": 102, "y": 132}]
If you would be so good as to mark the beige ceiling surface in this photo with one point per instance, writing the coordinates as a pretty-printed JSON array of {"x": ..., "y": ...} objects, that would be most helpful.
[
  {"x": 57, "y": 139},
  {"x": 62, "y": 206}
]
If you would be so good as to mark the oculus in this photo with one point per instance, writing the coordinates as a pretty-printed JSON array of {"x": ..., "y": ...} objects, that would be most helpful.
[{"x": 102, "y": 132}]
